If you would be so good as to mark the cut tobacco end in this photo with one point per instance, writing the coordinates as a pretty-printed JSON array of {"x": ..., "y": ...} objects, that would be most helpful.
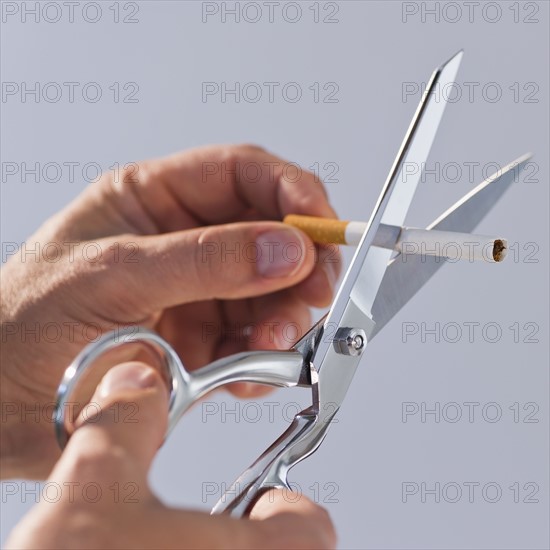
[{"x": 500, "y": 250}]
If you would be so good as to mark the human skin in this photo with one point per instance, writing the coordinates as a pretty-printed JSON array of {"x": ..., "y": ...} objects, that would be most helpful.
[
  {"x": 166, "y": 232},
  {"x": 103, "y": 452}
]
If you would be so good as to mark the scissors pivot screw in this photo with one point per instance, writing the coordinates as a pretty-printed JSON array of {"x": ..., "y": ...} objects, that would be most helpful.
[{"x": 350, "y": 341}]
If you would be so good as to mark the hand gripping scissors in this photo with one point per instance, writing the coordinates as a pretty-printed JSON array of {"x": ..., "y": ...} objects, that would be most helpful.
[{"x": 376, "y": 286}]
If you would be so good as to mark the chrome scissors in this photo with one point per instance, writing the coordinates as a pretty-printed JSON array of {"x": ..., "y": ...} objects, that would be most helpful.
[{"x": 376, "y": 286}]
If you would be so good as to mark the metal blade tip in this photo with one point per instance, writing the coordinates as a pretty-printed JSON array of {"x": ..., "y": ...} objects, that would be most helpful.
[{"x": 457, "y": 56}]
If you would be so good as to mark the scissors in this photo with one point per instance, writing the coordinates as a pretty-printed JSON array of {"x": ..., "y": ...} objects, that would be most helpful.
[{"x": 375, "y": 287}]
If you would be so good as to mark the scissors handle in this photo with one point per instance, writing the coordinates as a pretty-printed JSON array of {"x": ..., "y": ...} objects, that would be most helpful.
[
  {"x": 270, "y": 470},
  {"x": 275, "y": 368}
]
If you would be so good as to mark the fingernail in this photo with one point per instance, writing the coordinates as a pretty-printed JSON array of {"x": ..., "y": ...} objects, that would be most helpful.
[
  {"x": 280, "y": 253},
  {"x": 131, "y": 376}
]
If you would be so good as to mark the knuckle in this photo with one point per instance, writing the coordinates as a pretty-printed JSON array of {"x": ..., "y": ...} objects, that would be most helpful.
[
  {"x": 100, "y": 460},
  {"x": 306, "y": 202},
  {"x": 103, "y": 255},
  {"x": 134, "y": 173},
  {"x": 249, "y": 148},
  {"x": 208, "y": 267},
  {"x": 241, "y": 153},
  {"x": 124, "y": 180}
]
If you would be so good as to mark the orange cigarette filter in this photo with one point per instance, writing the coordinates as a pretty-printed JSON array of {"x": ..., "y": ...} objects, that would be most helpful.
[{"x": 320, "y": 230}]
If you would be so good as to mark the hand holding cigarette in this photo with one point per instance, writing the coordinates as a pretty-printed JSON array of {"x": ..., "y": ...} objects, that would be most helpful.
[{"x": 405, "y": 240}]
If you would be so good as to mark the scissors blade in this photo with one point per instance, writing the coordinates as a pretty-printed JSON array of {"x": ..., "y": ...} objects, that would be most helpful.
[
  {"x": 407, "y": 172},
  {"x": 404, "y": 277},
  {"x": 353, "y": 303}
]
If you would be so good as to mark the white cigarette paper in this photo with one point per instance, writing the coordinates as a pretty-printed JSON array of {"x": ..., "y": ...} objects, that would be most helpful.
[{"x": 431, "y": 242}]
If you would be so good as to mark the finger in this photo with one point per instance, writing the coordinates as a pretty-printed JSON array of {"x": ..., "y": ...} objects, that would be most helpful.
[
  {"x": 275, "y": 321},
  {"x": 194, "y": 331},
  {"x": 318, "y": 289},
  {"x": 294, "y": 519},
  {"x": 226, "y": 261},
  {"x": 277, "y": 523},
  {"x": 125, "y": 427},
  {"x": 206, "y": 185},
  {"x": 218, "y": 184}
]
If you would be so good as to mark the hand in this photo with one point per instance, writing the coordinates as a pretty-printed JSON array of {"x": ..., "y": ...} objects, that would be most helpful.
[
  {"x": 175, "y": 244},
  {"x": 105, "y": 502}
]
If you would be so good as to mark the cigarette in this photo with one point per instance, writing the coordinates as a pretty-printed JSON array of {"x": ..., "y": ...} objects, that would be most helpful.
[{"x": 406, "y": 240}]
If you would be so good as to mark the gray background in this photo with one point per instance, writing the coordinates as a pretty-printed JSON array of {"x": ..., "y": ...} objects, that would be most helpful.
[{"x": 370, "y": 52}]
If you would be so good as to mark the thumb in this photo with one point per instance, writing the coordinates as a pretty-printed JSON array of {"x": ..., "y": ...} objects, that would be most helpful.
[
  {"x": 228, "y": 261},
  {"x": 129, "y": 419}
]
